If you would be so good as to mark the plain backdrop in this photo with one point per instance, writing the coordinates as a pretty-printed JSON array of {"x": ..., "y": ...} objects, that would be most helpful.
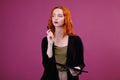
[{"x": 23, "y": 24}]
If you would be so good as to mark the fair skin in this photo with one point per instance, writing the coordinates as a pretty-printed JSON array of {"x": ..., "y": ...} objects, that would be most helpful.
[{"x": 57, "y": 38}]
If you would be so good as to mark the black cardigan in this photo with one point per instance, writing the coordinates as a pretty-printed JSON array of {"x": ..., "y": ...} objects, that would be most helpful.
[{"x": 75, "y": 57}]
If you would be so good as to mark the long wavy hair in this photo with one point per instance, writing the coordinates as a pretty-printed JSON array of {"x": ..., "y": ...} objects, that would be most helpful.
[{"x": 68, "y": 27}]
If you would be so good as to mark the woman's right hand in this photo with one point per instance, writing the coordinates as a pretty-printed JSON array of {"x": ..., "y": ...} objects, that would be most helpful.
[{"x": 50, "y": 37}]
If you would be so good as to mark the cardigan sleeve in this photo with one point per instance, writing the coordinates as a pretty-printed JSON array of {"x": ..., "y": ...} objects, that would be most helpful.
[
  {"x": 80, "y": 53},
  {"x": 46, "y": 61}
]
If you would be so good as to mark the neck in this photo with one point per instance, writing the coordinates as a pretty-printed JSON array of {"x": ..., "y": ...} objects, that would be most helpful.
[{"x": 59, "y": 32}]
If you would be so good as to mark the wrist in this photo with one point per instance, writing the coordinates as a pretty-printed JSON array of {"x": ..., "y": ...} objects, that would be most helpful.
[{"x": 50, "y": 44}]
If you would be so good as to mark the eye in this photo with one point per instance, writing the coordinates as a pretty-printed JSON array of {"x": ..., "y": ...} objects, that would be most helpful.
[
  {"x": 53, "y": 15},
  {"x": 60, "y": 15}
]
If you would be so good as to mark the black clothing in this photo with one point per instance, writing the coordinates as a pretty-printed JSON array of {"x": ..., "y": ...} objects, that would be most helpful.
[{"x": 75, "y": 57}]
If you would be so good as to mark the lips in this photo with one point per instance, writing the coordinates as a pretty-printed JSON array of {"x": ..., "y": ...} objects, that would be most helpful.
[{"x": 56, "y": 22}]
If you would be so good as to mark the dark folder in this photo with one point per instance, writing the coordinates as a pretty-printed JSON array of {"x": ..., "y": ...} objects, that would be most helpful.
[{"x": 67, "y": 67}]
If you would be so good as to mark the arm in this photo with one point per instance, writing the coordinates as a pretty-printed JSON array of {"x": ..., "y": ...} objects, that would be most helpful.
[
  {"x": 80, "y": 53},
  {"x": 45, "y": 59},
  {"x": 47, "y": 49},
  {"x": 79, "y": 57}
]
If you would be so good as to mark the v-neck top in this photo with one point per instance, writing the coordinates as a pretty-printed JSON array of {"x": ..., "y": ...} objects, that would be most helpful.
[{"x": 60, "y": 56}]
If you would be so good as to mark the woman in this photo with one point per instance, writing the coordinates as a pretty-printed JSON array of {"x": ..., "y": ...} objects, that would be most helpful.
[{"x": 61, "y": 46}]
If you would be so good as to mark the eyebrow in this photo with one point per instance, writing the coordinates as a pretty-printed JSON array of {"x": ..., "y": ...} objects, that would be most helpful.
[{"x": 57, "y": 14}]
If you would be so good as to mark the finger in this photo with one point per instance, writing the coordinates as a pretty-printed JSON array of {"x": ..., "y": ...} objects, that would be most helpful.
[
  {"x": 51, "y": 34},
  {"x": 48, "y": 31},
  {"x": 71, "y": 71},
  {"x": 77, "y": 67}
]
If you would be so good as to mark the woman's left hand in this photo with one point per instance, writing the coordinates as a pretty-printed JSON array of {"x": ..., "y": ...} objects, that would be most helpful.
[{"x": 74, "y": 72}]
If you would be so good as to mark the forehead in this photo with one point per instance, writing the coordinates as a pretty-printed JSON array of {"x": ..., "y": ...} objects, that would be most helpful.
[{"x": 57, "y": 11}]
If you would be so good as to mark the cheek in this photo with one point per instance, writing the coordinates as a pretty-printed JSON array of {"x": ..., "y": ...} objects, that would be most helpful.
[{"x": 62, "y": 21}]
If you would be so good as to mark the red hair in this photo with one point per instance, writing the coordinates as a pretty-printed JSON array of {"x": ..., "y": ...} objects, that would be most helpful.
[{"x": 68, "y": 27}]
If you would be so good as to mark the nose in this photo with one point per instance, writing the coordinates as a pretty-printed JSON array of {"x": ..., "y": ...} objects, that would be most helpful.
[{"x": 55, "y": 17}]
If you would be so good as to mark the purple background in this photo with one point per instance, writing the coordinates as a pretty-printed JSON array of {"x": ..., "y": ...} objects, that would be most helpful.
[{"x": 23, "y": 25}]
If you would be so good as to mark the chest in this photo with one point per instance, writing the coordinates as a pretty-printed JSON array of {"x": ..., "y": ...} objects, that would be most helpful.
[{"x": 61, "y": 42}]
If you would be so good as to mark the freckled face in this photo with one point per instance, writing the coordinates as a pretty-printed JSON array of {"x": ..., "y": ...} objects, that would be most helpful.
[{"x": 58, "y": 17}]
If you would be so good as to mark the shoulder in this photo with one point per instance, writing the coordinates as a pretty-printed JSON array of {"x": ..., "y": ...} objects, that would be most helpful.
[
  {"x": 44, "y": 39},
  {"x": 75, "y": 37},
  {"x": 76, "y": 40}
]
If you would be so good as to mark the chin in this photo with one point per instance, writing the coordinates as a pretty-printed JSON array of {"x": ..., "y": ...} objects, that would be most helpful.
[{"x": 58, "y": 25}]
